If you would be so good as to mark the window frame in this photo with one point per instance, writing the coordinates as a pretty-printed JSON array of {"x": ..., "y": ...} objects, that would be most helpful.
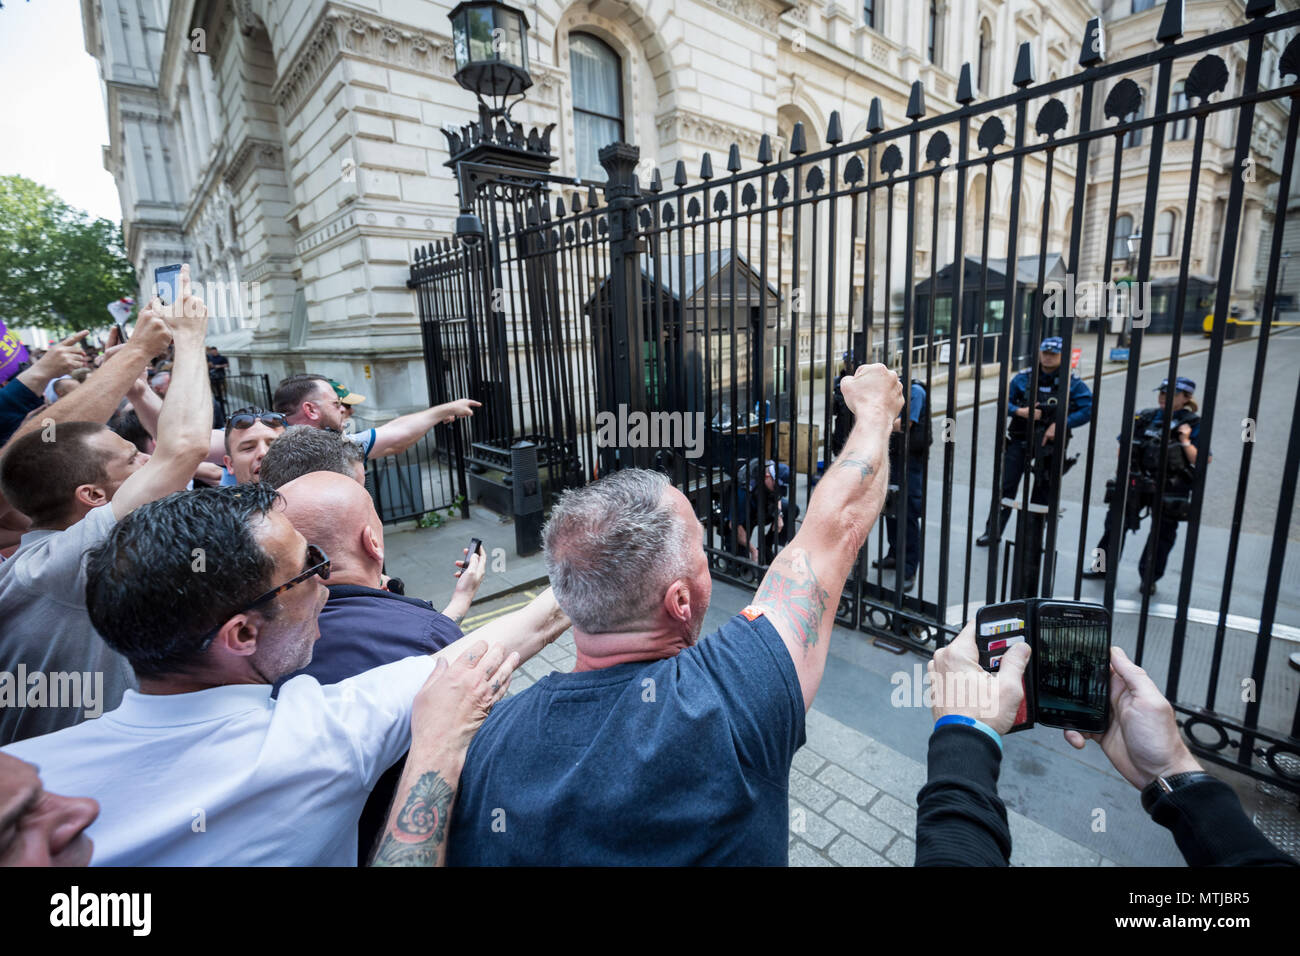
[{"x": 620, "y": 119}]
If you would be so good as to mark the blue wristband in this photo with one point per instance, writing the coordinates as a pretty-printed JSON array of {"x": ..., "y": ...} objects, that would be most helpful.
[{"x": 969, "y": 722}]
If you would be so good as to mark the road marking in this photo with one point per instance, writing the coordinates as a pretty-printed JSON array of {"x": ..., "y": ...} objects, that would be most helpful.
[{"x": 477, "y": 619}]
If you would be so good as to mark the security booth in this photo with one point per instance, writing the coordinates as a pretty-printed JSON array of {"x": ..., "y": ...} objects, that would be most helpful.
[
  {"x": 1161, "y": 303},
  {"x": 709, "y": 345},
  {"x": 991, "y": 319}
]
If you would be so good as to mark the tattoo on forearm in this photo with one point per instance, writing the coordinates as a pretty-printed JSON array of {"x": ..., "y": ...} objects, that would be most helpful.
[
  {"x": 416, "y": 836},
  {"x": 791, "y": 588},
  {"x": 864, "y": 468}
]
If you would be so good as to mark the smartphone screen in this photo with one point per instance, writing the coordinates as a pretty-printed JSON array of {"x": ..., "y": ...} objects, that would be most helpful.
[
  {"x": 998, "y": 627},
  {"x": 1072, "y": 649},
  {"x": 166, "y": 283}
]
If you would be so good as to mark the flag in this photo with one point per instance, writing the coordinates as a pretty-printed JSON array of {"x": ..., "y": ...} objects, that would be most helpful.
[
  {"x": 121, "y": 309},
  {"x": 12, "y": 353}
]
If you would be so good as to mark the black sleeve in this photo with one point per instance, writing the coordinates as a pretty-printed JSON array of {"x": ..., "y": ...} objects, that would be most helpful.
[
  {"x": 960, "y": 820},
  {"x": 1211, "y": 828},
  {"x": 16, "y": 402}
]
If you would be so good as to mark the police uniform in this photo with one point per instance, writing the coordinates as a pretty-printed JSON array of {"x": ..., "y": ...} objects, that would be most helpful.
[
  {"x": 1180, "y": 473},
  {"x": 918, "y": 449},
  {"x": 1015, "y": 460}
]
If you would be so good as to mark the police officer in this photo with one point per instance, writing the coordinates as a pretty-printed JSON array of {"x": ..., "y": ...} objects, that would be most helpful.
[
  {"x": 780, "y": 512},
  {"x": 918, "y": 449},
  {"x": 1020, "y": 411},
  {"x": 1144, "y": 470}
]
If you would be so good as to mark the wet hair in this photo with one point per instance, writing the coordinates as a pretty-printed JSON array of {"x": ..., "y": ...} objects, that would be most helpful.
[{"x": 174, "y": 570}]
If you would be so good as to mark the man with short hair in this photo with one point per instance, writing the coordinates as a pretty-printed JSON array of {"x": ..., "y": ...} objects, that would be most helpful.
[
  {"x": 248, "y": 436},
  {"x": 301, "y": 450},
  {"x": 75, "y": 480},
  {"x": 323, "y": 403},
  {"x": 213, "y": 596},
  {"x": 660, "y": 748}
]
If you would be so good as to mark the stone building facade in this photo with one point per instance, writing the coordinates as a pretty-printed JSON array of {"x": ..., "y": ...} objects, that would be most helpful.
[{"x": 292, "y": 149}]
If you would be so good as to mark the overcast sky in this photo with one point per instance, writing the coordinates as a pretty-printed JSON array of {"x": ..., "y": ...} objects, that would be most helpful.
[{"x": 52, "y": 122}]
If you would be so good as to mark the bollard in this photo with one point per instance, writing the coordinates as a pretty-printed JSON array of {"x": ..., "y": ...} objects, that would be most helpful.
[{"x": 526, "y": 487}]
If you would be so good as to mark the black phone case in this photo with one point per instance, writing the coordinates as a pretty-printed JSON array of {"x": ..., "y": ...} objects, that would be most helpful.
[{"x": 998, "y": 623}]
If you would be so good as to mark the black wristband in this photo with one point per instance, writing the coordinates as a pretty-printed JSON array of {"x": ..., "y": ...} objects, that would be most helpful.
[{"x": 1162, "y": 785}]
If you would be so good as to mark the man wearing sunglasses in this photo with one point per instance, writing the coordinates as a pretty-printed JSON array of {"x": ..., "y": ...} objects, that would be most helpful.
[
  {"x": 212, "y": 595},
  {"x": 248, "y": 434}
]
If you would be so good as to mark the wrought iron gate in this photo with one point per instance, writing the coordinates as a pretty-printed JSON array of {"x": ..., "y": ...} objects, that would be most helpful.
[{"x": 727, "y": 300}]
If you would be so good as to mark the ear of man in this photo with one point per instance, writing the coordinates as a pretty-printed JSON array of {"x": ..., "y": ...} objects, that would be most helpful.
[{"x": 238, "y": 636}]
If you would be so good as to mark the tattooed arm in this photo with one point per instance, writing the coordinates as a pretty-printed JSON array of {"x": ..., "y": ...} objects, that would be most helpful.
[
  {"x": 802, "y": 587},
  {"x": 447, "y": 712}
]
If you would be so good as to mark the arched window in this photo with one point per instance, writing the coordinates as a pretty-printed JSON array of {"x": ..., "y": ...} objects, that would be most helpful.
[
  {"x": 986, "y": 47},
  {"x": 870, "y": 13},
  {"x": 1134, "y": 136},
  {"x": 597, "y": 101},
  {"x": 1123, "y": 229},
  {"x": 1179, "y": 128},
  {"x": 1165, "y": 233},
  {"x": 933, "y": 50}
]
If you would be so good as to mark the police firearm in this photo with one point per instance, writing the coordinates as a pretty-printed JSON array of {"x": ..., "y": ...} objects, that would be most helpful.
[
  {"x": 1031, "y": 431},
  {"x": 1144, "y": 488},
  {"x": 919, "y": 438}
]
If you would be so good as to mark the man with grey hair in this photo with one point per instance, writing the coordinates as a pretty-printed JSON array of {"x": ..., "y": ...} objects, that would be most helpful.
[
  {"x": 660, "y": 748},
  {"x": 302, "y": 449}
]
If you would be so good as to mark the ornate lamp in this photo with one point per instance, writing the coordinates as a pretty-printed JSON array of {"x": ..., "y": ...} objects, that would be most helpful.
[{"x": 490, "y": 41}]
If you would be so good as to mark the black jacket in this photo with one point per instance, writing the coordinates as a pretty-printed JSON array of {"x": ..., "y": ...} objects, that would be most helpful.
[{"x": 961, "y": 821}]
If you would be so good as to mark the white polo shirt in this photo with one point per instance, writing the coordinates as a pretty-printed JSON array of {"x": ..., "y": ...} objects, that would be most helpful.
[{"x": 229, "y": 776}]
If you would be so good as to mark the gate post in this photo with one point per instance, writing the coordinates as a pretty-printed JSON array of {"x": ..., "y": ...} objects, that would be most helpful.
[{"x": 626, "y": 325}]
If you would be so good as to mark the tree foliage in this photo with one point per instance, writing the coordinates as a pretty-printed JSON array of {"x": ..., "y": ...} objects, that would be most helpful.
[{"x": 58, "y": 267}]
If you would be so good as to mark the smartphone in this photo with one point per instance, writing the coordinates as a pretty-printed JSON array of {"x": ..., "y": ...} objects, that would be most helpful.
[
  {"x": 121, "y": 333},
  {"x": 167, "y": 283},
  {"x": 475, "y": 546},
  {"x": 1072, "y": 648},
  {"x": 998, "y": 628}
]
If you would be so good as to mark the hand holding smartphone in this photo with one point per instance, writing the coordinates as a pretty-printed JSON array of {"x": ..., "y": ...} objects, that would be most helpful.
[
  {"x": 167, "y": 285},
  {"x": 475, "y": 547},
  {"x": 1067, "y": 682}
]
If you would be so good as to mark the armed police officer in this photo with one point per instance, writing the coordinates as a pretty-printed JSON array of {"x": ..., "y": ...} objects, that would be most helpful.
[
  {"x": 919, "y": 438},
  {"x": 1183, "y": 453},
  {"x": 1031, "y": 430}
]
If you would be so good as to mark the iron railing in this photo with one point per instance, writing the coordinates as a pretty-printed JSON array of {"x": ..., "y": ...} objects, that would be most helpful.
[{"x": 730, "y": 298}]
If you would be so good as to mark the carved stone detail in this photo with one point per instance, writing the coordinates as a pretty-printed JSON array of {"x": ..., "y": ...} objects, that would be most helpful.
[{"x": 688, "y": 125}]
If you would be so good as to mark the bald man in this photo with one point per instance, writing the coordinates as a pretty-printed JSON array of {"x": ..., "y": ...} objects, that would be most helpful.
[{"x": 363, "y": 625}]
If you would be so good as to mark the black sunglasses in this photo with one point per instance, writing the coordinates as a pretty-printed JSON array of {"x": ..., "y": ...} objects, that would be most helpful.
[
  {"x": 318, "y": 563},
  {"x": 247, "y": 417}
]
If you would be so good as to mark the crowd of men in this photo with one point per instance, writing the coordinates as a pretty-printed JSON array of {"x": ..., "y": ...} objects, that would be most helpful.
[{"x": 267, "y": 696}]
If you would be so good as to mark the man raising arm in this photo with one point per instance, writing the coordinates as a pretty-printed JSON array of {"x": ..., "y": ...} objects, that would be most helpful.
[{"x": 805, "y": 580}]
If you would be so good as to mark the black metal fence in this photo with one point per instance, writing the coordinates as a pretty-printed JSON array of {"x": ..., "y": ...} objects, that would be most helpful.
[
  {"x": 721, "y": 308},
  {"x": 234, "y": 392}
]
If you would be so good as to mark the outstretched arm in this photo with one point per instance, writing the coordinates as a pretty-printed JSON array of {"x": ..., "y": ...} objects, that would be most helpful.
[
  {"x": 802, "y": 588},
  {"x": 447, "y": 712},
  {"x": 403, "y": 432}
]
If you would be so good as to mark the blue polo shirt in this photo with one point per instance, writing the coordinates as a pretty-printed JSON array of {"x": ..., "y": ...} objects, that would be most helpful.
[
  {"x": 362, "y": 627},
  {"x": 673, "y": 762}
]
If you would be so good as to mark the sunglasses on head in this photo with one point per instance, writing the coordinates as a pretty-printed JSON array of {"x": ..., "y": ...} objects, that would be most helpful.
[{"x": 247, "y": 417}]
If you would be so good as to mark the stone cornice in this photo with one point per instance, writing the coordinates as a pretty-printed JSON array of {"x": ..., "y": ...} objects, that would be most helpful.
[
  {"x": 681, "y": 124},
  {"x": 754, "y": 12},
  {"x": 252, "y": 152},
  {"x": 344, "y": 31}
]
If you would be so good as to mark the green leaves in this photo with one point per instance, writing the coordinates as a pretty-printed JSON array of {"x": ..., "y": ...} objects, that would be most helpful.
[{"x": 58, "y": 267}]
